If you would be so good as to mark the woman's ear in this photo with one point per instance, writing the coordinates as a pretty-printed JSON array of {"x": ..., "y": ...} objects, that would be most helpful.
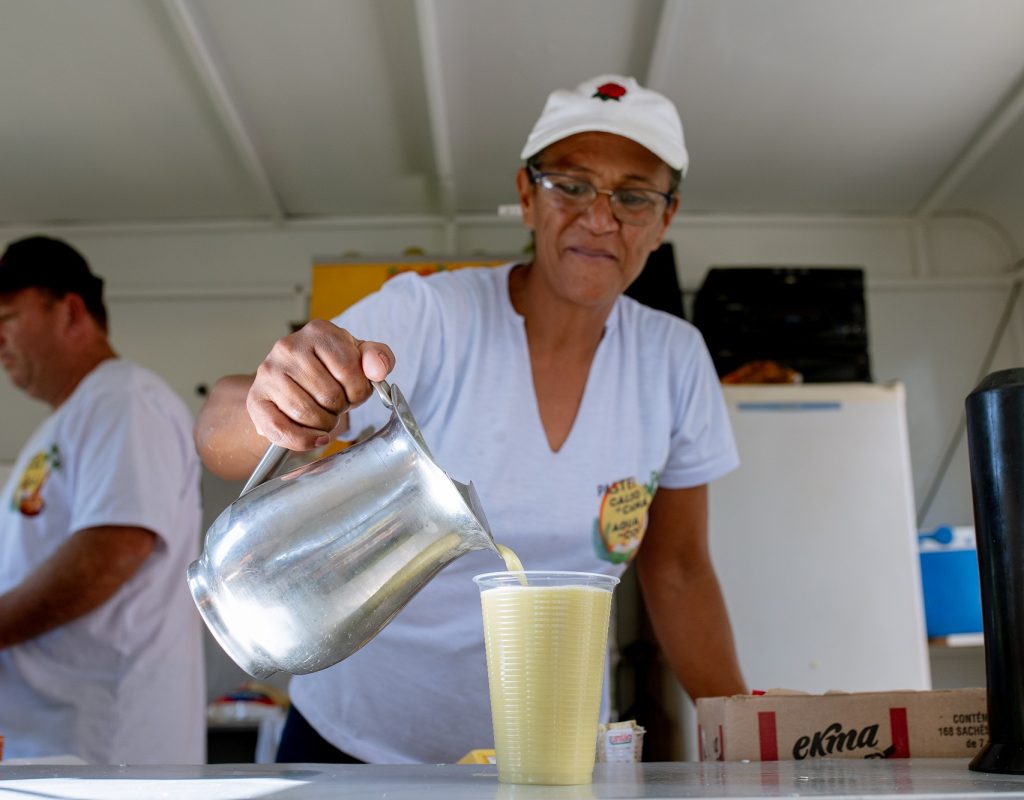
[
  {"x": 666, "y": 219},
  {"x": 527, "y": 196}
]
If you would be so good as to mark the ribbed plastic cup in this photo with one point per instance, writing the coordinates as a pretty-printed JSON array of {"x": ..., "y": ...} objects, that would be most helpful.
[{"x": 546, "y": 646}]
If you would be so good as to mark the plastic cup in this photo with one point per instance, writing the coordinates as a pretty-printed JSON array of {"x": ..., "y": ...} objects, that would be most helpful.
[{"x": 546, "y": 646}]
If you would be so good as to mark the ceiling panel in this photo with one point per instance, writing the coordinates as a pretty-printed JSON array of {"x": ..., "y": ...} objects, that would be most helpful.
[
  {"x": 830, "y": 105},
  {"x": 161, "y": 110},
  {"x": 100, "y": 120},
  {"x": 333, "y": 94}
]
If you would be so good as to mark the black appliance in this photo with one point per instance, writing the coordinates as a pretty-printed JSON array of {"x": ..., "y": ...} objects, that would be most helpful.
[
  {"x": 657, "y": 285},
  {"x": 811, "y": 319}
]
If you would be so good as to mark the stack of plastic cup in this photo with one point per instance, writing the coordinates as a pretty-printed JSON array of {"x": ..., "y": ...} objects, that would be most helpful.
[{"x": 546, "y": 642}]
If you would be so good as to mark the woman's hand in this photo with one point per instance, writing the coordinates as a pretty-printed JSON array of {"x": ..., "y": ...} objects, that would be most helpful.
[{"x": 309, "y": 379}]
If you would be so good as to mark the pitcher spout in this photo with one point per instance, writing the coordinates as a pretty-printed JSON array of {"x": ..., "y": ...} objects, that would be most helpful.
[{"x": 472, "y": 499}]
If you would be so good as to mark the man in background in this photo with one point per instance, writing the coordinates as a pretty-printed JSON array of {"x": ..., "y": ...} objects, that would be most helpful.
[{"x": 100, "y": 643}]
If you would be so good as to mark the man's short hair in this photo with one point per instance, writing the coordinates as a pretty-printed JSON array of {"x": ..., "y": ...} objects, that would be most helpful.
[{"x": 54, "y": 266}]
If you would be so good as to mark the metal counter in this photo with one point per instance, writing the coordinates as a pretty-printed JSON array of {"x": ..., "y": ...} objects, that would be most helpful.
[{"x": 847, "y": 778}]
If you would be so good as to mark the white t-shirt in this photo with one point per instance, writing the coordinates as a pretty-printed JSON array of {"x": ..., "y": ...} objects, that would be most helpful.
[
  {"x": 124, "y": 683},
  {"x": 652, "y": 414}
]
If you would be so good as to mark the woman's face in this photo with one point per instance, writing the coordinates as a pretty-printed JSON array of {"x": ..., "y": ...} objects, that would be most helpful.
[{"x": 588, "y": 257}]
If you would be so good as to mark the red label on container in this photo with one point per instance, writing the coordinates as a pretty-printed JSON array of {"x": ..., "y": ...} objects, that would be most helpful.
[{"x": 766, "y": 733}]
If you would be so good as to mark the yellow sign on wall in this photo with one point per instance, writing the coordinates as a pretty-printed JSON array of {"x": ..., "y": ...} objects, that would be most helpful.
[{"x": 336, "y": 286}]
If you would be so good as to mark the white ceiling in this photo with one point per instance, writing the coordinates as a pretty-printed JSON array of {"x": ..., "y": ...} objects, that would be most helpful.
[{"x": 117, "y": 111}]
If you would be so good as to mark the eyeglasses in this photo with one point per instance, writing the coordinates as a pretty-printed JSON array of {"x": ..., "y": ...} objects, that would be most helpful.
[{"x": 629, "y": 206}]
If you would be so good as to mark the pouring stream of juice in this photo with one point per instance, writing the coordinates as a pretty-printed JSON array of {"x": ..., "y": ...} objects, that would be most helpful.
[{"x": 512, "y": 562}]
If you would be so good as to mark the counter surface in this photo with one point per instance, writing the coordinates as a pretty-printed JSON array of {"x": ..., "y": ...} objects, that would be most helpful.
[{"x": 839, "y": 778}]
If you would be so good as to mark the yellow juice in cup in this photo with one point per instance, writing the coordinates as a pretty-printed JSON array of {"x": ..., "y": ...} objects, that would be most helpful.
[{"x": 546, "y": 644}]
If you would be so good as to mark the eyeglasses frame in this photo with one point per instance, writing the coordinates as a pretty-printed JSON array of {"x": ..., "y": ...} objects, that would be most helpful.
[{"x": 536, "y": 177}]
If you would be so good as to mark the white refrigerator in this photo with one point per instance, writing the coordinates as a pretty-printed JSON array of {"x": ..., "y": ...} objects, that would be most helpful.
[{"x": 815, "y": 543}]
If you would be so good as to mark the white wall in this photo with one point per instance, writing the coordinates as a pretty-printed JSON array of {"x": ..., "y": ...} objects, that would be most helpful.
[{"x": 197, "y": 303}]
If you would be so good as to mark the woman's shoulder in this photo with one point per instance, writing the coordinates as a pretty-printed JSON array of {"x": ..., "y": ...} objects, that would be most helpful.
[
  {"x": 462, "y": 287},
  {"x": 642, "y": 319},
  {"x": 469, "y": 279}
]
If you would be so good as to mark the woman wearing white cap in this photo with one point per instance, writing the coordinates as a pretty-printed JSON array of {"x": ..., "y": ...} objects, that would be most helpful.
[{"x": 589, "y": 424}]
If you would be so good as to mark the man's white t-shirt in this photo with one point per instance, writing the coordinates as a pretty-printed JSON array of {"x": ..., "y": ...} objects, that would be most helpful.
[
  {"x": 124, "y": 683},
  {"x": 652, "y": 415}
]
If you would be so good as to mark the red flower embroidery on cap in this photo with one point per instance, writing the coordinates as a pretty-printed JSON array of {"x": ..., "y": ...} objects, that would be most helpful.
[{"x": 610, "y": 91}]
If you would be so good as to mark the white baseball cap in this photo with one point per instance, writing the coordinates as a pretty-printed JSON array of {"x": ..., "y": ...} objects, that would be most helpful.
[{"x": 612, "y": 104}]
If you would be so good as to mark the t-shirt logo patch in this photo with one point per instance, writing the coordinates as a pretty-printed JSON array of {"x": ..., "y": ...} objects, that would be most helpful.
[
  {"x": 27, "y": 498},
  {"x": 622, "y": 518}
]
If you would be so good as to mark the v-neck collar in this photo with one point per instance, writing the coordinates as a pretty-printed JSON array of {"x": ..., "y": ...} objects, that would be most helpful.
[{"x": 514, "y": 318}]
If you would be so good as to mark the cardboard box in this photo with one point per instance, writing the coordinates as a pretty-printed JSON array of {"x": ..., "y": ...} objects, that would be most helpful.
[{"x": 784, "y": 726}]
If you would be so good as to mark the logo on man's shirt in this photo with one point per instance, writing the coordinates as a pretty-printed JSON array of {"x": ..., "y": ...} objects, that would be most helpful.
[
  {"x": 622, "y": 518},
  {"x": 28, "y": 498}
]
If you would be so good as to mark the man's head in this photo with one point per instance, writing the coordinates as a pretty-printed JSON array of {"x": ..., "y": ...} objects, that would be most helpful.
[
  {"x": 598, "y": 189},
  {"x": 52, "y": 319},
  {"x": 55, "y": 268}
]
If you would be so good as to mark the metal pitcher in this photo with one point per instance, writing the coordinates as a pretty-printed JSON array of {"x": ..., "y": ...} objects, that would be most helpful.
[{"x": 304, "y": 569}]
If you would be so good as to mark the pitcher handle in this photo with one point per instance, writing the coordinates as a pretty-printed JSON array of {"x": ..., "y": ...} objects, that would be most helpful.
[
  {"x": 275, "y": 455},
  {"x": 384, "y": 392}
]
